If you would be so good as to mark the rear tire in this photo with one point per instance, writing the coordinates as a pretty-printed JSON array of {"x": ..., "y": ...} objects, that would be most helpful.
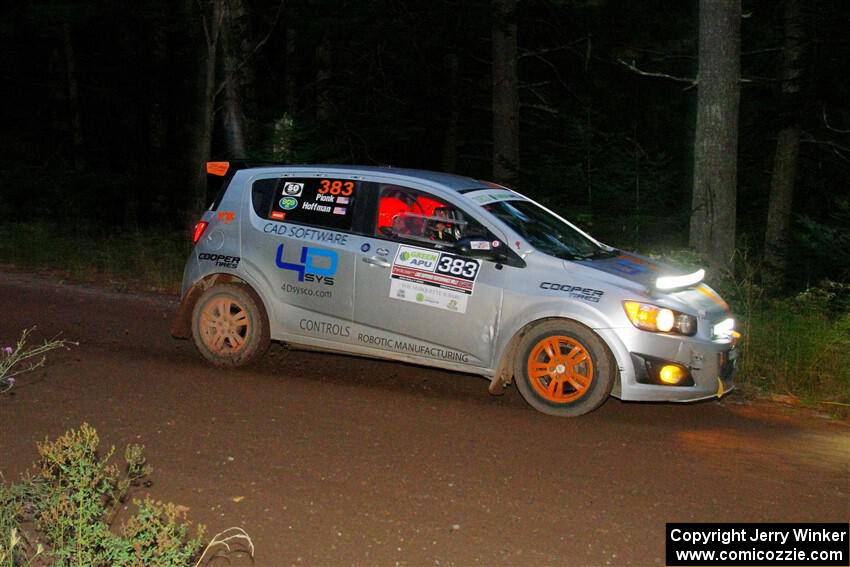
[
  {"x": 564, "y": 369},
  {"x": 230, "y": 326}
]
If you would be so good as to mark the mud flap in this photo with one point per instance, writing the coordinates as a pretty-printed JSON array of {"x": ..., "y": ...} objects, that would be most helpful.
[
  {"x": 181, "y": 324},
  {"x": 497, "y": 385}
]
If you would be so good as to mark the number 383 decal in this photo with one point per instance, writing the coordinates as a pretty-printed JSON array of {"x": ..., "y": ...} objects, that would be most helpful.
[
  {"x": 457, "y": 266},
  {"x": 336, "y": 187}
]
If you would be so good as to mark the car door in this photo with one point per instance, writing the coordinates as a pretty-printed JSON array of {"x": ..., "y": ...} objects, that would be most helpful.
[
  {"x": 414, "y": 293},
  {"x": 302, "y": 245}
]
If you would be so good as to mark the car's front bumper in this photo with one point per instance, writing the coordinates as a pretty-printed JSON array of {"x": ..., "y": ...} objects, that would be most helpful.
[{"x": 712, "y": 365}]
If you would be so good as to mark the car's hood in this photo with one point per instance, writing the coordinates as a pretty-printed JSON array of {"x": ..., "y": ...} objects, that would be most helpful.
[{"x": 632, "y": 267}]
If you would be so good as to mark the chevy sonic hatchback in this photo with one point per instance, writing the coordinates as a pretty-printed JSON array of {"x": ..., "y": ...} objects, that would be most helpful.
[{"x": 445, "y": 271}]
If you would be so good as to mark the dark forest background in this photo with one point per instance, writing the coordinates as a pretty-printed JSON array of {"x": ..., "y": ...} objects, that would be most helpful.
[{"x": 104, "y": 115}]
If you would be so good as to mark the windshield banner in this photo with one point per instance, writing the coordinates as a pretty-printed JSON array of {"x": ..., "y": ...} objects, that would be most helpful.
[{"x": 487, "y": 196}]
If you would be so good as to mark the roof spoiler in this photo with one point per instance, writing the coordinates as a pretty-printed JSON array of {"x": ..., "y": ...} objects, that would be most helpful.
[
  {"x": 222, "y": 168},
  {"x": 218, "y": 168}
]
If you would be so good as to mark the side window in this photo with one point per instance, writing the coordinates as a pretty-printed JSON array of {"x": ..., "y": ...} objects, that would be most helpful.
[
  {"x": 407, "y": 214},
  {"x": 324, "y": 202}
]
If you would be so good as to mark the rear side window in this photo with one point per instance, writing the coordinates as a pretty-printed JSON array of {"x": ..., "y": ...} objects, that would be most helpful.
[{"x": 325, "y": 202}]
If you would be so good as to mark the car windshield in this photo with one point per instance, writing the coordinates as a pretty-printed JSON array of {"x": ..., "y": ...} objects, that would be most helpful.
[{"x": 545, "y": 231}]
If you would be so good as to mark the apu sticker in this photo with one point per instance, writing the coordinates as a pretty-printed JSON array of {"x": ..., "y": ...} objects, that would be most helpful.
[{"x": 434, "y": 279}]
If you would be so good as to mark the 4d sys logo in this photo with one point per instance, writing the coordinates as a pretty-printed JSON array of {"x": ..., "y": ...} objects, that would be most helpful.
[{"x": 316, "y": 265}]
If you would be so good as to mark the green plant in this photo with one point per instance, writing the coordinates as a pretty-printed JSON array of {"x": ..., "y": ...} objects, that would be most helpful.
[
  {"x": 70, "y": 505},
  {"x": 157, "y": 534},
  {"x": 18, "y": 360}
]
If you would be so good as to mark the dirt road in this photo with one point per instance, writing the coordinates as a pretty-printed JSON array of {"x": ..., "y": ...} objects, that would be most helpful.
[{"x": 331, "y": 460}]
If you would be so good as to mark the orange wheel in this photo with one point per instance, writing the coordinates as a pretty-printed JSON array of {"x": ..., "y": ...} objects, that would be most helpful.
[
  {"x": 229, "y": 326},
  {"x": 563, "y": 368},
  {"x": 560, "y": 369},
  {"x": 224, "y": 326}
]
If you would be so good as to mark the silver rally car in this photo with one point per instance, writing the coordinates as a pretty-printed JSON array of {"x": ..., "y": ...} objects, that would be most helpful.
[{"x": 451, "y": 272}]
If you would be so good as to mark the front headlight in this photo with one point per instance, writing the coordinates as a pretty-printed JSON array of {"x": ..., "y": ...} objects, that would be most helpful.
[
  {"x": 657, "y": 319},
  {"x": 726, "y": 330},
  {"x": 723, "y": 328}
]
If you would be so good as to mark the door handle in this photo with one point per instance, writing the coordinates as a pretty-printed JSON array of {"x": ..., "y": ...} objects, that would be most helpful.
[{"x": 375, "y": 261}]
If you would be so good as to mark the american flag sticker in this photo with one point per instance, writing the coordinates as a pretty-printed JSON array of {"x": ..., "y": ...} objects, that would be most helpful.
[
  {"x": 342, "y": 200},
  {"x": 339, "y": 210},
  {"x": 279, "y": 215}
]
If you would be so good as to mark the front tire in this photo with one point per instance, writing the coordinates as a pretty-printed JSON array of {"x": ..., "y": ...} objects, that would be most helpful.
[
  {"x": 564, "y": 369},
  {"x": 230, "y": 326}
]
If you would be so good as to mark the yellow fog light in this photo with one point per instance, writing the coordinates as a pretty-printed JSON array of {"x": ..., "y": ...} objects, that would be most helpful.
[{"x": 672, "y": 374}]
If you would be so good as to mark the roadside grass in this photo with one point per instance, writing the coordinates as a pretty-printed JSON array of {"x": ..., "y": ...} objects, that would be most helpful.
[
  {"x": 799, "y": 349},
  {"x": 143, "y": 260},
  {"x": 795, "y": 348}
]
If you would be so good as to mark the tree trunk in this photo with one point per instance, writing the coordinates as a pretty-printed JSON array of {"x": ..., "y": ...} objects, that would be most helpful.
[
  {"x": 158, "y": 113},
  {"x": 291, "y": 71},
  {"x": 787, "y": 149},
  {"x": 74, "y": 100},
  {"x": 450, "y": 141},
  {"x": 712, "y": 229},
  {"x": 323, "y": 77},
  {"x": 205, "y": 108},
  {"x": 234, "y": 42},
  {"x": 505, "y": 93}
]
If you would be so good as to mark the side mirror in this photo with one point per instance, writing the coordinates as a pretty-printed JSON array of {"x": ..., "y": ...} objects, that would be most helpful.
[{"x": 478, "y": 247}]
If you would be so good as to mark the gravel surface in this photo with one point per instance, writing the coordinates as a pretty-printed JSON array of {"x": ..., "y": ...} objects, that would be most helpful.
[{"x": 334, "y": 460}]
